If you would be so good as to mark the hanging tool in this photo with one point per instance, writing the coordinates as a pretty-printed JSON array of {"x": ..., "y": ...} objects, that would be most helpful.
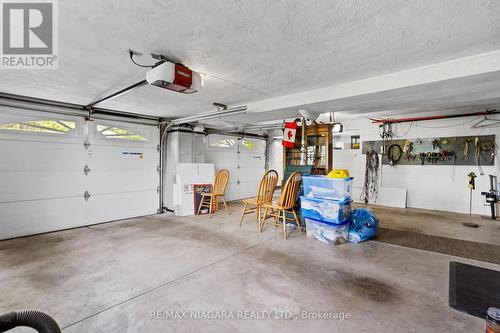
[
  {"x": 394, "y": 154},
  {"x": 370, "y": 186},
  {"x": 407, "y": 150},
  {"x": 486, "y": 122},
  {"x": 385, "y": 132},
  {"x": 466, "y": 148},
  {"x": 478, "y": 155},
  {"x": 435, "y": 144},
  {"x": 484, "y": 146},
  {"x": 472, "y": 186}
]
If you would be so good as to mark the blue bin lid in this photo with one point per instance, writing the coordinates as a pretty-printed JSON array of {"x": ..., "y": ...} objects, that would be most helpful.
[
  {"x": 338, "y": 201},
  {"x": 325, "y": 177}
]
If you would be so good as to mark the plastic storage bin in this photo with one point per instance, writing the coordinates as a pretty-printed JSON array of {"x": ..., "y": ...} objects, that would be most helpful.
[
  {"x": 327, "y": 188},
  {"x": 328, "y": 233},
  {"x": 331, "y": 211}
]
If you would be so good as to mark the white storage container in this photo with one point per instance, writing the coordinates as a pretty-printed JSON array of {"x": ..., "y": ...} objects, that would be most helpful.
[{"x": 328, "y": 233}]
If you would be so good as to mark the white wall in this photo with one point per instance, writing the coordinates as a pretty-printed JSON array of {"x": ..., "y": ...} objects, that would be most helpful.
[
  {"x": 276, "y": 158},
  {"x": 438, "y": 187},
  {"x": 181, "y": 147}
]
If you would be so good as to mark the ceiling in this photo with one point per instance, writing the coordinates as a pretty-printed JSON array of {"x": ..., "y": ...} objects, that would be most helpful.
[
  {"x": 255, "y": 50},
  {"x": 472, "y": 93}
]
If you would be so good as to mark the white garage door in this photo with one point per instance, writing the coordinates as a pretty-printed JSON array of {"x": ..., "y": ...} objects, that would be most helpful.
[
  {"x": 245, "y": 160},
  {"x": 59, "y": 172}
]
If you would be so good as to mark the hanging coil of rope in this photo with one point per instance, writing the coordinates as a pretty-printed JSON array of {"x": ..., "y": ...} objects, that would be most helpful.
[
  {"x": 394, "y": 154},
  {"x": 370, "y": 187}
]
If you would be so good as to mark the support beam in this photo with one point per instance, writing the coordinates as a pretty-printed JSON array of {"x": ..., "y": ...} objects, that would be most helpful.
[
  {"x": 459, "y": 68},
  {"x": 118, "y": 93},
  {"x": 45, "y": 105}
]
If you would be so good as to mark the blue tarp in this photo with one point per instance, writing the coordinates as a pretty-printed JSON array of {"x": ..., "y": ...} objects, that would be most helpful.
[{"x": 364, "y": 225}]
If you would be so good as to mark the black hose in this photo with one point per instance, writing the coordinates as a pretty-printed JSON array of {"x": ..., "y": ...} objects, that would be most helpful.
[
  {"x": 41, "y": 322},
  {"x": 394, "y": 154}
]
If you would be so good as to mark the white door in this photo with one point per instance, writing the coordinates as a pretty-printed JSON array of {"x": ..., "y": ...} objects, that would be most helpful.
[
  {"x": 245, "y": 160},
  {"x": 43, "y": 179}
]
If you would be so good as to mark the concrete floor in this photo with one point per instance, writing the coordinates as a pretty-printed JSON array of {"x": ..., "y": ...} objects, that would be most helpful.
[
  {"x": 438, "y": 223},
  {"x": 111, "y": 277}
]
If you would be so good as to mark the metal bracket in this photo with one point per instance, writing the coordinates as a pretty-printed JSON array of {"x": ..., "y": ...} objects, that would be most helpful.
[
  {"x": 158, "y": 148},
  {"x": 86, "y": 170},
  {"x": 86, "y": 145},
  {"x": 158, "y": 189},
  {"x": 86, "y": 195},
  {"x": 158, "y": 168}
]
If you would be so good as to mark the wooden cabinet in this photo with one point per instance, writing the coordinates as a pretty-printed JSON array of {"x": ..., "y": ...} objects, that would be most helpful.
[{"x": 318, "y": 150}]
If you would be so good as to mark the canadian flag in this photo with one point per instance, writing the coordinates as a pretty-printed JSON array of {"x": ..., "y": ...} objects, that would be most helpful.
[{"x": 289, "y": 134}]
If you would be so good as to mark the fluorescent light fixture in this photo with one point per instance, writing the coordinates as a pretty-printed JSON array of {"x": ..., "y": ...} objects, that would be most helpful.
[
  {"x": 265, "y": 127},
  {"x": 216, "y": 114}
]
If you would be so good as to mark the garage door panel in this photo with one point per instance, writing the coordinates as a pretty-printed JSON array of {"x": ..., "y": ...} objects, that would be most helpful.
[
  {"x": 115, "y": 206},
  {"x": 42, "y": 180},
  {"x": 245, "y": 162},
  {"x": 37, "y": 185},
  {"x": 232, "y": 168},
  {"x": 19, "y": 155},
  {"x": 251, "y": 160},
  {"x": 242, "y": 190},
  {"x": 20, "y": 219},
  {"x": 254, "y": 174},
  {"x": 231, "y": 192},
  {"x": 112, "y": 157},
  {"x": 106, "y": 181}
]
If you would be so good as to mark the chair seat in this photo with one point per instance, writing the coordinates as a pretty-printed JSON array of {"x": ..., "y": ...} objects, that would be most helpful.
[
  {"x": 251, "y": 201},
  {"x": 211, "y": 194},
  {"x": 273, "y": 205}
]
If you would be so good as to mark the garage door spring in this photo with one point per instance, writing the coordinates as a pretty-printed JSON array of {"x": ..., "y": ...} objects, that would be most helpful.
[{"x": 370, "y": 187}]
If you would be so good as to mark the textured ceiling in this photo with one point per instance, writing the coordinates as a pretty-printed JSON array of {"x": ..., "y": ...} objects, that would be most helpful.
[{"x": 251, "y": 50}]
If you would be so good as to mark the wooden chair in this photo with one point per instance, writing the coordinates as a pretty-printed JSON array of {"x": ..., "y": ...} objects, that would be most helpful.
[
  {"x": 285, "y": 204},
  {"x": 264, "y": 195},
  {"x": 211, "y": 200}
]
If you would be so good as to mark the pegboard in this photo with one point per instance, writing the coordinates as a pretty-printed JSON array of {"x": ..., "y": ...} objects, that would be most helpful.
[{"x": 439, "y": 150}]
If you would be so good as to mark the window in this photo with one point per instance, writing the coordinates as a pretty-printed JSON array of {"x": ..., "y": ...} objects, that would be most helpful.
[
  {"x": 41, "y": 126},
  {"x": 355, "y": 141},
  {"x": 224, "y": 143},
  {"x": 112, "y": 132},
  {"x": 248, "y": 144}
]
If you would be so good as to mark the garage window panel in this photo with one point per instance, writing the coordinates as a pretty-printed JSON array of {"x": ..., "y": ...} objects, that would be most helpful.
[
  {"x": 223, "y": 143},
  {"x": 41, "y": 126},
  {"x": 113, "y": 132},
  {"x": 248, "y": 144}
]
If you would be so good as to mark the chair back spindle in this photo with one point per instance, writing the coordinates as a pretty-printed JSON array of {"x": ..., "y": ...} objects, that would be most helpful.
[
  {"x": 290, "y": 191},
  {"x": 266, "y": 187}
]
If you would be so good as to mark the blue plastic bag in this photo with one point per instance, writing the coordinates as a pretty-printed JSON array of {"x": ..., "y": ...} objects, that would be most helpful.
[{"x": 364, "y": 225}]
